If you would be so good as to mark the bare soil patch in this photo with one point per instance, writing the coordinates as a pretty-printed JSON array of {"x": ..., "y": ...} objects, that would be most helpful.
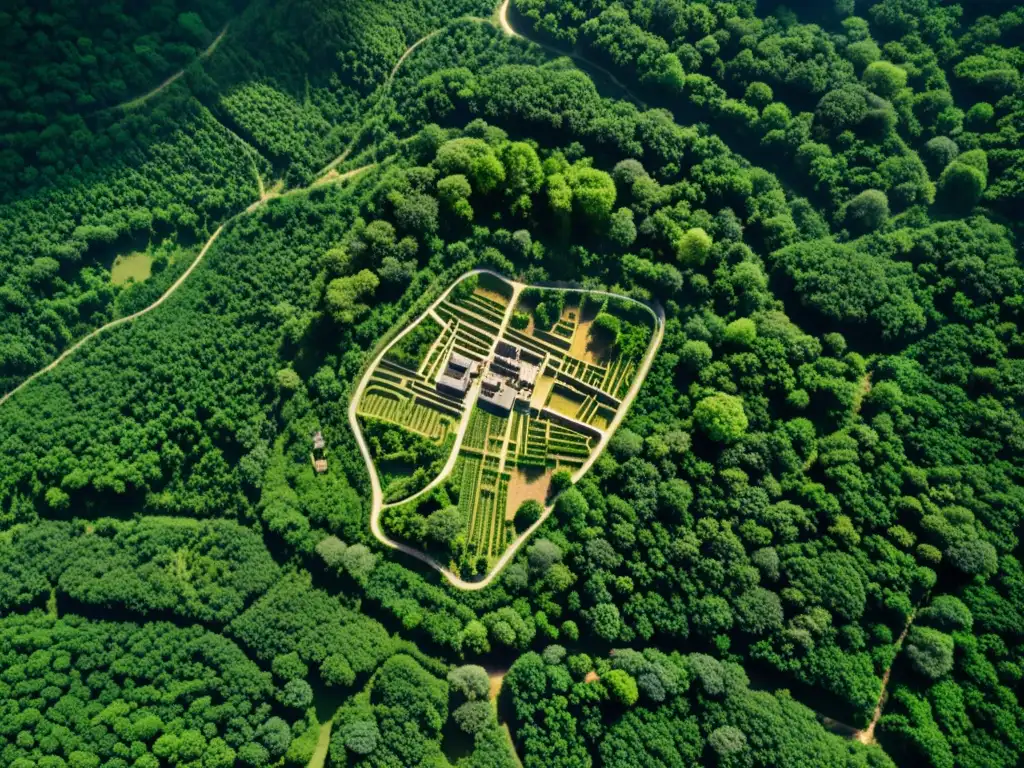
[
  {"x": 541, "y": 391},
  {"x": 527, "y": 483},
  {"x": 586, "y": 346},
  {"x": 497, "y": 677},
  {"x": 492, "y": 295}
]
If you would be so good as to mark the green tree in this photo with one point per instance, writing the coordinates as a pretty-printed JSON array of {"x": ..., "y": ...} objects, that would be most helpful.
[
  {"x": 593, "y": 192},
  {"x": 471, "y": 681},
  {"x": 741, "y": 332},
  {"x": 867, "y": 211},
  {"x": 621, "y": 686},
  {"x": 930, "y": 651},
  {"x": 884, "y": 78},
  {"x": 527, "y": 514},
  {"x": 444, "y": 525},
  {"x": 721, "y": 417},
  {"x": 961, "y": 186},
  {"x": 693, "y": 247},
  {"x": 345, "y": 296}
]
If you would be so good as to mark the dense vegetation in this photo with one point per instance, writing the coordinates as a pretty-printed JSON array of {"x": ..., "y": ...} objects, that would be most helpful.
[{"x": 826, "y": 454}]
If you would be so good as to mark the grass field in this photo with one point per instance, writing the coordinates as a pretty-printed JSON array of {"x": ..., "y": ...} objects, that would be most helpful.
[{"x": 135, "y": 266}]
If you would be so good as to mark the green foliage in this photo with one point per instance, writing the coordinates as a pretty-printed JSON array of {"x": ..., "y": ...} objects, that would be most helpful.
[
  {"x": 863, "y": 411},
  {"x": 884, "y": 78},
  {"x": 961, "y": 185},
  {"x": 527, "y": 514},
  {"x": 741, "y": 332},
  {"x": 178, "y": 672},
  {"x": 293, "y": 616},
  {"x": 345, "y": 296},
  {"x": 929, "y": 651},
  {"x": 471, "y": 681},
  {"x": 621, "y": 687},
  {"x": 693, "y": 247},
  {"x": 868, "y": 210},
  {"x": 721, "y": 417}
]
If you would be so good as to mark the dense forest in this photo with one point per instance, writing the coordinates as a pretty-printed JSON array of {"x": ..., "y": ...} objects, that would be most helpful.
[{"x": 801, "y": 548}]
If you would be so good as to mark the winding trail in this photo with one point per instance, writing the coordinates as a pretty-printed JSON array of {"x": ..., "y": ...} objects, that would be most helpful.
[
  {"x": 509, "y": 30},
  {"x": 121, "y": 320},
  {"x": 867, "y": 735},
  {"x": 264, "y": 198},
  {"x": 327, "y": 175},
  {"x": 140, "y": 100},
  {"x": 377, "y": 496},
  {"x": 384, "y": 88}
]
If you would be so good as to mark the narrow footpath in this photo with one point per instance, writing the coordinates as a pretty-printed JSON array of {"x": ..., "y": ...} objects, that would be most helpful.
[
  {"x": 867, "y": 735},
  {"x": 507, "y": 28},
  {"x": 139, "y": 101},
  {"x": 328, "y": 175}
]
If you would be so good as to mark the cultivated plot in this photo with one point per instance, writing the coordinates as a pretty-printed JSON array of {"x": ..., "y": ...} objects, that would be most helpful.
[{"x": 489, "y": 401}]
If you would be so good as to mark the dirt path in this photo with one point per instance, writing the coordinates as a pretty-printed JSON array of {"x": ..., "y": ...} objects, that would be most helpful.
[
  {"x": 384, "y": 88},
  {"x": 121, "y": 320},
  {"x": 139, "y": 101},
  {"x": 377, "y": 497},
  {"x": 265, "y": 197},
  {"x": 507, "y": 28},
  {"x": 867, "y": 735},
  {"x": 862, "y": 391}
]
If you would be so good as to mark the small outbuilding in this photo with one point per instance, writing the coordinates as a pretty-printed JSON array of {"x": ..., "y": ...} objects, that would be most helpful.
[{"x": 318, "y": 456}]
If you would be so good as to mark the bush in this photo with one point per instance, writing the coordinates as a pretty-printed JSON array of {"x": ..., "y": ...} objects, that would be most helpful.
[
  {"x": 361, "y": 737},
  {"x": 961, "y": 186},
  {"x": 465, "y": 287},
  {"x": 940, "y": 152},
  {"x": 473, "y": 716},
  {"x": 692, "y": 248},
  {"x": 727, "y": 740},
  {"x": 884, "y": 78},
  {"x": 974, "y": 557},
  {"x": 696, "y": 354},
  {"x": 471, "y": 681},
  {"x": 947, "y": 613},
  {"x": 621, "y": 686},
  {"x": 608, "y": 326}
]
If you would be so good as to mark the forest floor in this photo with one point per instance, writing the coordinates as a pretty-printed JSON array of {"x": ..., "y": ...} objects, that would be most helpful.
[
  {"x": 497, "y": 677},
  {"x": 862, "y": 391},
  {"x": 139, "y": 101}
]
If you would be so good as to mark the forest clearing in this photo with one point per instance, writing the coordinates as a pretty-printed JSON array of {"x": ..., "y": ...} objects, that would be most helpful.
[{"x": 502, "y": 429}]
